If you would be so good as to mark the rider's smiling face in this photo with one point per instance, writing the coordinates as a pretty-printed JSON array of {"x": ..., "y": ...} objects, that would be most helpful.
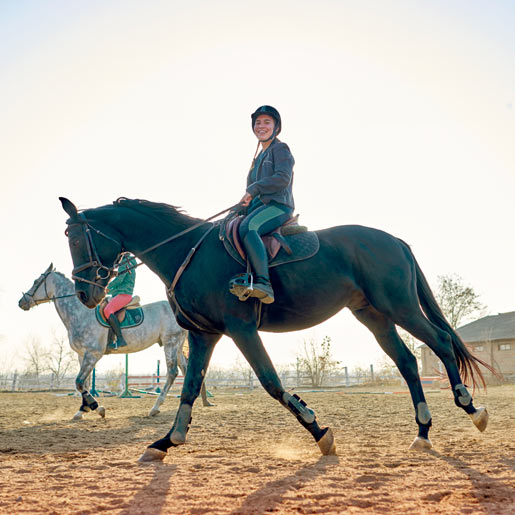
[{"x": 264, "y": 127}]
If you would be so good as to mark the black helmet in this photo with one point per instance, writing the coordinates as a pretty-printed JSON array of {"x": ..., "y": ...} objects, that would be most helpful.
[{"x": 270, "y": 111}]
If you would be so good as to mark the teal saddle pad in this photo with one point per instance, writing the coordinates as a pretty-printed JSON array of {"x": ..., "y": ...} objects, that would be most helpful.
[{"x": 133, "y": 317}]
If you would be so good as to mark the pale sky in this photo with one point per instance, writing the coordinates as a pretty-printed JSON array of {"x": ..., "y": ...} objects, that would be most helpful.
[{"x": 400, "y": 116}]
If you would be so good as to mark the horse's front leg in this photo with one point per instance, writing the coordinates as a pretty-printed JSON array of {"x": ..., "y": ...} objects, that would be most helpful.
[
  {"x": 183, "y": 365},
  {"x": 250, "y": 344},
  {"x": 87, "y": 364},
  {"x": 201, "y": 349}
]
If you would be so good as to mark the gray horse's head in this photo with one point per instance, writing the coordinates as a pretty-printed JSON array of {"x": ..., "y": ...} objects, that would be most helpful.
[{"x": 38, "y": 292}]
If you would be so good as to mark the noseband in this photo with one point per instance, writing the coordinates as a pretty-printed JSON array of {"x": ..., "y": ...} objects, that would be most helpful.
[{"x": 94, "y": 258}]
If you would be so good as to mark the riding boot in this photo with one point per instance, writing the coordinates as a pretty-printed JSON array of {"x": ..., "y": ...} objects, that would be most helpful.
[
  {"x": 115, "y": 324},
  {"x": 258, "y": 258}
]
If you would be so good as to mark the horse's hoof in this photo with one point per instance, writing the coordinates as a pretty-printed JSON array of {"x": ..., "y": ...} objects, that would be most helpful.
[
  {"x": 78, "y": 415},
  {"x": 153, "y": 412},
  {"x": 421, "y": 444},
  {"x": 152, "y": 454},
  {"x": 326, "y": 443},
  {"x": 480, "y": 418},
  {"x": 101, "y": 411},
  {"x": 208, "y": 404}
]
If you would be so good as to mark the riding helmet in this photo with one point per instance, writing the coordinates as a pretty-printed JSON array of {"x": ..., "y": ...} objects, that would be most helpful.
[{"x": 270, "y": 111}]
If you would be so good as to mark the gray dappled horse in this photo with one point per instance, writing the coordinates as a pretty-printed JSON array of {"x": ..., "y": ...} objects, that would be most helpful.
[{"x": 89, "y": 339}]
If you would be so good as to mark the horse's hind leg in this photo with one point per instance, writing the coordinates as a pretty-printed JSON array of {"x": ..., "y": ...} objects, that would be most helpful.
[
  {"x": 251, "y": 346},
  {"x": 201, "y": 349},
  {"x": 386, "y": 335},
  {"x": 87, "y": 364},
  {"x": 440, "y": 342}
]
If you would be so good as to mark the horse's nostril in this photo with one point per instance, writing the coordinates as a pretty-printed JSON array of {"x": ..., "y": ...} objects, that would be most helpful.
[{"x": 82, "y": 297}]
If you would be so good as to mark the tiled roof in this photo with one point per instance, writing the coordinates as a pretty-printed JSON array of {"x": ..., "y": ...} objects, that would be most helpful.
[{"x": 494, "y": 327}]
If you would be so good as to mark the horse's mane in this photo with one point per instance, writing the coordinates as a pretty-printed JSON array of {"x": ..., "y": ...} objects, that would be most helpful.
[{"x": 160, "y": 211}]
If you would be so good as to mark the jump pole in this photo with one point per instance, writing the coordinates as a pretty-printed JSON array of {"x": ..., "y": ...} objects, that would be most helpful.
[
  {"x": 93, "y": 390},
  {"x": 158, "y": 389},
  {"x": 126, "y": 394}
]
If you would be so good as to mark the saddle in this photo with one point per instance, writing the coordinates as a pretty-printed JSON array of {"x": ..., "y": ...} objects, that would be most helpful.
[
  {"x": 121, "y": 313},
  {"x": 129, "y": 316},
  {"x": 279, "y": 239}
]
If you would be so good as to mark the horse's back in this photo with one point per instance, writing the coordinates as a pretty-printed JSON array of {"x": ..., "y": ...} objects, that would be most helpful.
[{"x": 363, "y": 244}]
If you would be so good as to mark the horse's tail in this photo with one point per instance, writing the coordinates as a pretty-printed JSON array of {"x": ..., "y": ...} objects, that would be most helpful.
[{"x": 468, "y": 364}]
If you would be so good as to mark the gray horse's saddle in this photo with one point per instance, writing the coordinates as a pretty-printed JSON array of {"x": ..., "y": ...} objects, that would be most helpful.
[
  {"x": 133, "y": 304},
  {"x": 288, "y": 243}
]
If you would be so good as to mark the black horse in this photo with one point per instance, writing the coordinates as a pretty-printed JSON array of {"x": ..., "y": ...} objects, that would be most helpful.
[{"x": 369, "y": 271}]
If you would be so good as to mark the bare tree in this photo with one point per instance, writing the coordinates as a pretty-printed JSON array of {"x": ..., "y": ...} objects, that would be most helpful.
[
  {"x": 412, "y": 343},
  {"x": 245, "y": 371},
  {"x": 387, "y": 368},
  {"x": 59, "y": 358},
  {"x": 35, "y": 357},
  {"x": 316, "y": 361},
  {"x": 457, "y": 300}
]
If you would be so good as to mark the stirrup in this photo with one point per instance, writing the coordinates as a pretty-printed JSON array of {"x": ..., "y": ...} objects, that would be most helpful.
[{"x": 242, "y": 286}]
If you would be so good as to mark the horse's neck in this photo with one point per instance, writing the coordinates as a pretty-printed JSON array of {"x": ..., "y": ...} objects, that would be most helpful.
[
  {"x": 67, "y": 307},
  {"x": 137, "y": 241}
]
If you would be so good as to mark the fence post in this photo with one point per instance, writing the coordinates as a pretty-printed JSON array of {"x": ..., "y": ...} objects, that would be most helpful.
[
  {"x": 346, "y": 376},
  {"x": 15, "y": 377},
  {"x": 93, "y": 390},
  {"x": 126, "y": 394},
  {"x": 372, "y": 373}
]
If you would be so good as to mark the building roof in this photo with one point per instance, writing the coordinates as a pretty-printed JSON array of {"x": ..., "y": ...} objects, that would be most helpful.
[{"x": 490, "y": 328}]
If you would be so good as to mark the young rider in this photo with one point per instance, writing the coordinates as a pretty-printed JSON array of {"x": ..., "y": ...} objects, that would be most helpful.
[
  {"x": 268, "y": 198},
  {"x": 120, "y": 289}
]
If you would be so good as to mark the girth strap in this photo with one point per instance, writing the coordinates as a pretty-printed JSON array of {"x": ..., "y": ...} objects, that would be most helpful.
[{"x": 171, "y": 291}]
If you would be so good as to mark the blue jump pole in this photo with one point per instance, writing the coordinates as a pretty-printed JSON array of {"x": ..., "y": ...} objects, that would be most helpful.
[{"x": 158, "y": 389}]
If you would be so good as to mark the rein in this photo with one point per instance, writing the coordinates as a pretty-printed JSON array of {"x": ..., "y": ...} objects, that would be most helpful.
[
  {"x": 94, "y": 258},
  {"x": 182, "y": 233},
  {"x": 47, "y": 299}
]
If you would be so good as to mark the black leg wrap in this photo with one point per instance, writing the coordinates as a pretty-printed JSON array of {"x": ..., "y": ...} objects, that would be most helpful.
[
  {"x": 163, "y": 445},
  {"x": 423, "y": 431},
  {"x": 423, "y": 415},
  {"x": 463, "y": 399},
  {"x": 298, "y": 407},
  {"x": 88, "y": 402},
  {"x": 303, "y": 414}
]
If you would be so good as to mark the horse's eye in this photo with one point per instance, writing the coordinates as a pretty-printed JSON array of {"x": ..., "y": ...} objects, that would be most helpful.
[{"x": 66, "y": 231}]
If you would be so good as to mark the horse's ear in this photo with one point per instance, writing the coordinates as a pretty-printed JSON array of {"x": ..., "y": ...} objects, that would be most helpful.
[
  {"x": 68, "y": 206},
  {"x": 50, "y": 268}
]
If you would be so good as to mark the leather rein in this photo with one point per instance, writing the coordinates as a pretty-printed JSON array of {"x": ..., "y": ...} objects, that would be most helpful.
[{"x": 95, "y": 261}]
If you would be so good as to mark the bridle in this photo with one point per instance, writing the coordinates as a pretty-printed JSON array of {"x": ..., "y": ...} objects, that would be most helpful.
[
  {"x": 47, "y": 298},
  {"x": 94, "y": 258}
]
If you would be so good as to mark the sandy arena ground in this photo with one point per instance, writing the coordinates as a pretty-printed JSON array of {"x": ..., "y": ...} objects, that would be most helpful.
[{"x": 248, "y": 455}]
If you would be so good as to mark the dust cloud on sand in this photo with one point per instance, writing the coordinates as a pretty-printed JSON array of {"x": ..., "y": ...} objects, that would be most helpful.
[{"x": 248, "y": 455}]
